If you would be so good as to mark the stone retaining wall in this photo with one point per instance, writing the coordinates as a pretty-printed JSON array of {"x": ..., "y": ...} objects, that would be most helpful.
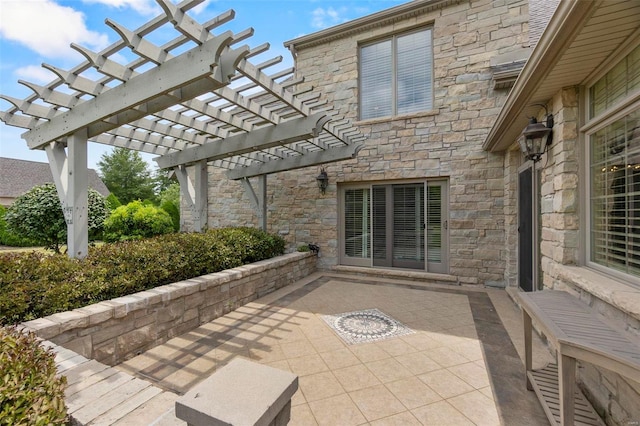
[{"x": 116, "y": 330}]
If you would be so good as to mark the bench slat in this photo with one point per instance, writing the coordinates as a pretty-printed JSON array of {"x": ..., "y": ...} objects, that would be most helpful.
[{"x": 545, "y": 384}]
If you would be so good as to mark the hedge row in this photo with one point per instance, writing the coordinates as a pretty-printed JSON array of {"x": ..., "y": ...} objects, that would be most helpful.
[{"x": 34, "y": 284}]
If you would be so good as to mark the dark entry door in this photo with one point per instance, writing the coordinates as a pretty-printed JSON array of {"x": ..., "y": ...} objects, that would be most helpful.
[{"x": 525, "y": 229}]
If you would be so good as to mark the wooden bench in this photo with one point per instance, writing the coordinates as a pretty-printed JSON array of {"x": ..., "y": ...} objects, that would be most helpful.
[{"x": 578, "y": 333}]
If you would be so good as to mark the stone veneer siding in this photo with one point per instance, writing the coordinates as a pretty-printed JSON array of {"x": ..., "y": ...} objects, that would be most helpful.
[
  {"x": 615, "y": 398},
  {"x": 444, "y": 143},
  {"x": 116, "y": 330}
]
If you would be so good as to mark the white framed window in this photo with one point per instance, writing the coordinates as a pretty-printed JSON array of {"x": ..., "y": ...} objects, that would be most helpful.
[
  {"x": 613, "y": 156},
  {"x": 395, "y": 225},
  {"x": 396, "y": 75}
]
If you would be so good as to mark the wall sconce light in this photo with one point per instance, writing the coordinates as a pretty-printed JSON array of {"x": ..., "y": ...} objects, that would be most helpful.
[
  {"x": 536, "y": 137},
  {"x": 323, "y": 180}
]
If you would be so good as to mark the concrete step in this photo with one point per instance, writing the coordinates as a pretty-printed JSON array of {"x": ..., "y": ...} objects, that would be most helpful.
[
  {"x": 99, "y": 395},
  {"x": 419, "y": 277}
]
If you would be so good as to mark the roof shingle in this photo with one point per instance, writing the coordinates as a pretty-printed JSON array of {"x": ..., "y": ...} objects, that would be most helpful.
[{"x": 19, "y": 176}]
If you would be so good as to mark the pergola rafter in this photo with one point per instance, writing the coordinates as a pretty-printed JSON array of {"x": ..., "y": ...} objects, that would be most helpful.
[{"x": 194, "y": 100}]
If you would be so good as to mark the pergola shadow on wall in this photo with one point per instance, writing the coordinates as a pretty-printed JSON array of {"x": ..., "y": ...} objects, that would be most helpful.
[{"x": 196, "y": 100}]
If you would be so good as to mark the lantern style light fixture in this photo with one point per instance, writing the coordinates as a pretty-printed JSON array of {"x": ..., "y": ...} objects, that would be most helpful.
[
  {"x": 323, "y": 180},
  {"x": 535, "y": 138}
]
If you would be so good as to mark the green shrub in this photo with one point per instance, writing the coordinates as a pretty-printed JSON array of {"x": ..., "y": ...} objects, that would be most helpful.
[
  {"x": 37, "y": 215},
  {"x": 30, "y": 392},
  {"x": 135, "y": 221},
  {"x": 34, "y": 284},
  {"x": 8, "y": 238}
]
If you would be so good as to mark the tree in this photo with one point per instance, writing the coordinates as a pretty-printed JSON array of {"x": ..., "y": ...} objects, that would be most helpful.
[
  {"x": 163, "y": 181},
  {"x": 37, "y": 215},
  {"x": 127, "y": 175},
  {"x": 171, "y": 194}
]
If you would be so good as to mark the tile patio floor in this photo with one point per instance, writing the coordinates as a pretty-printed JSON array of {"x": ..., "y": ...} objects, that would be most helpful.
[{"x": 460, "y": 367}]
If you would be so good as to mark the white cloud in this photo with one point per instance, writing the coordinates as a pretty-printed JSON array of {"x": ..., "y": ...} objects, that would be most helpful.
[
  {"x": 200, "y": 8},
  {"x": 323, "y": 18},
  {"x": 143, "y": 7},
  {"x": 35, "y": 74},
  {"x": 47, "y": 28}
]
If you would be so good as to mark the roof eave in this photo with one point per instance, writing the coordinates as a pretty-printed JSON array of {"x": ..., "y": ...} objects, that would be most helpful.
[{"x": 565, "y": 24}]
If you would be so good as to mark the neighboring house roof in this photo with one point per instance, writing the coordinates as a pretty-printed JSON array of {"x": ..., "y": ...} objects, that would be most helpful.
[
  {"x": 570, "y": 52},
  {"x": 19, "y": 176}
]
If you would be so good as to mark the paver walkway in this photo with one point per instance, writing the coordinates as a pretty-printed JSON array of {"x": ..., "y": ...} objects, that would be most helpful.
[{"x": 459, "y": 367}]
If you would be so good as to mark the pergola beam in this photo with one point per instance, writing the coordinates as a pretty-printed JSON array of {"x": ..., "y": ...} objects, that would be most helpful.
[
  {"x": 297, "y": 162},
  {"x": 194, "y": 100},
  {"x": 115, "y": 105},
  {"x": 263, "y": 138}
]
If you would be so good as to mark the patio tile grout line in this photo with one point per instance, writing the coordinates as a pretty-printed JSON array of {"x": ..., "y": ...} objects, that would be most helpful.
[{"x": 485, "y": 317}]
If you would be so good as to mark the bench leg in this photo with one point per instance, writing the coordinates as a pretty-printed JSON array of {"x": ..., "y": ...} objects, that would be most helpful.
[
  {"x": 566, "y": 388},
  {"x": 526, "y": 319}
]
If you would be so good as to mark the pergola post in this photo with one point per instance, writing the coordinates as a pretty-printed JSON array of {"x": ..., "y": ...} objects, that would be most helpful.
[
  {"x": 194, "y": 193},
  {"x": 71, "y": 178},
  {"x": 177, "y": 100},
  {"x": 201, "y": 199},
  {"x": 258, "y": 201}
]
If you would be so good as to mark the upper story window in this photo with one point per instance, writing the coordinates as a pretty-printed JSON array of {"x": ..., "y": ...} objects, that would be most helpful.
[{"x": 396, "y": 75}]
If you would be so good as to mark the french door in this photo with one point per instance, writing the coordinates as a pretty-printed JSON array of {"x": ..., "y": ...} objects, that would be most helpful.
[{"x": 395, "y": 225}]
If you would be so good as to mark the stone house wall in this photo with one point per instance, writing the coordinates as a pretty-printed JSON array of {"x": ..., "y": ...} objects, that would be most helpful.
[
  {"x": 113, "y": 331},
  {"x": 445, "y": 142},
  {"x": 614, "y": 397}
]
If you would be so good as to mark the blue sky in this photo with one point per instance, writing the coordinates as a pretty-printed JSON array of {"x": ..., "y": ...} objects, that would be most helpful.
[{"x": 33, "y": 32}]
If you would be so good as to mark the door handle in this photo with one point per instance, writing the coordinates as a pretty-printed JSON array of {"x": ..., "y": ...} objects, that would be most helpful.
[{"x": 446, "y": 224}]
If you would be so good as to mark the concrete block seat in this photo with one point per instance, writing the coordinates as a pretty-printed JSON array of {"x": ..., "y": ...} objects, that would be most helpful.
[{"x": 242, "y": 393}]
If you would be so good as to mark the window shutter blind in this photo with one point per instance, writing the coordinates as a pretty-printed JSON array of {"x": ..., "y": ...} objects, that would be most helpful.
[
  {"x": 615, "y": 195},
  {"x": 434, "y": 223},
  {"x": 356, "y": 222},
  {"x": 376, "y": 80},
  {"x": 408, "y": 217},
  {"x": 620, "y": 81},
  {"x": 414, "y": 64}
]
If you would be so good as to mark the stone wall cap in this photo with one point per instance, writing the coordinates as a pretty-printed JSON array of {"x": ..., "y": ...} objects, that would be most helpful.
[
  {"x": 620, "y": 295},
  {"x": 241, "y": 393}
]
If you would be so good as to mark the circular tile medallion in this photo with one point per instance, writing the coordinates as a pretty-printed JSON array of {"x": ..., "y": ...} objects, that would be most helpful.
[{"x": 368, "y": 325}]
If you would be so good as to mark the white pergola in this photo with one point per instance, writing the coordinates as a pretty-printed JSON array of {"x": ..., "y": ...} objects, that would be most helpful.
[{"x": 195, "y": 100}]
